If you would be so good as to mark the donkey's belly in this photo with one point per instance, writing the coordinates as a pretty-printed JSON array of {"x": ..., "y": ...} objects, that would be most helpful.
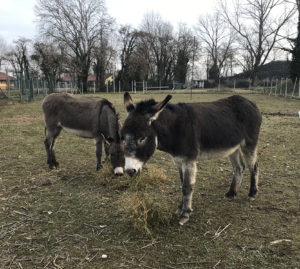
[
  {"x": 217, "y": 153},
  {"x": 81, "y": 133}
]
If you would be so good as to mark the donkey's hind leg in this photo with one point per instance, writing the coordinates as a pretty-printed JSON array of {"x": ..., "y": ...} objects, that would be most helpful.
[
  {"x": 238, "y": 169},
  {"x": 250, "y": 154},
  {"x": 51, "y": 135},
  {"x": 98, "y": 144}
]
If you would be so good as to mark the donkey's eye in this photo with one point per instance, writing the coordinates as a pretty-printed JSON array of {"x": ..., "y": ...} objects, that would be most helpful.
[{"x": 142, "y": 139}]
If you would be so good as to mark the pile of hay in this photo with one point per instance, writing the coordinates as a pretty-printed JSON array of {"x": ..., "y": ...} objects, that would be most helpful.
[{"x": 143, "y": 203}]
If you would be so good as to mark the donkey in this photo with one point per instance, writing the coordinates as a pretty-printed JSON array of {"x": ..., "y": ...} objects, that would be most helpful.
[
  {"x": 84, "y": 117},
  {"x": 191, "y": 131}
]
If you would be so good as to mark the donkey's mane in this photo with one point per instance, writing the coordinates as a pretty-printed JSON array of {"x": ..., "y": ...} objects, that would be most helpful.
[
  {"x": 110, "y": 105},
  {"x": 145, "y": 106}
]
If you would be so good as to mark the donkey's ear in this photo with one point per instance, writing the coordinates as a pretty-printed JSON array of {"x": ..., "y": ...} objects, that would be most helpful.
[
  {"x": 128, "y": 102},
  {"x": 156, "y": 109}
]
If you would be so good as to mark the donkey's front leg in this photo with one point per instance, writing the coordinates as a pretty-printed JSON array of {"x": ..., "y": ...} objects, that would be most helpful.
[
  {"x": 98, "y": 144},
  {"x": 189, "y": 169}
]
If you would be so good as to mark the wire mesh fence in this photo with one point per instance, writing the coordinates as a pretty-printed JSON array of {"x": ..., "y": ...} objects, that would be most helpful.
[{"x": 36, "y": 88}]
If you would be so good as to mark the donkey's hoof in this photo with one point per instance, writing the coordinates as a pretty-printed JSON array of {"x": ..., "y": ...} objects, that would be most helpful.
[
  {"x": 251, "y": 198},
  {"x": 183, "y": 220},
  {"x": 51, "y": 165},
  {"x": 56, "y": 164},
  {"x": 98, "y": 167},
  {"x": 230, "y": 195}
]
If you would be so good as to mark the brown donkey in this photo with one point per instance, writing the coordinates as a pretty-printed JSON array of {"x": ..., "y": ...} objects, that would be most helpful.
[{"x": 85, "y": 117}]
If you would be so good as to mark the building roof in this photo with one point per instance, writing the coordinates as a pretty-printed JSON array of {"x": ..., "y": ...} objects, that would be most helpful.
[{"x": 3, "y": 76}]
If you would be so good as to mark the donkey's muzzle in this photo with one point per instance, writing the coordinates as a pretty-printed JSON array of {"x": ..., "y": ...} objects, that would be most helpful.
[
  {"x": 118, "y": 171},
  {"x": 131, "y": 172}
]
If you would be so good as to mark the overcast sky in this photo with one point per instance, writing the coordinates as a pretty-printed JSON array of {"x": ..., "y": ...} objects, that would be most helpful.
[{"x": 17, "y": 17}]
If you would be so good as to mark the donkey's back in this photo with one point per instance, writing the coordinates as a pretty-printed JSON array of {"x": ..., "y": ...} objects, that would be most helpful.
[{"x": 76, "y": 115}]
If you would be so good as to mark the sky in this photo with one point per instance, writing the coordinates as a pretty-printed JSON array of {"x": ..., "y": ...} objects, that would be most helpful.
[{"x": 17, "y": 18}]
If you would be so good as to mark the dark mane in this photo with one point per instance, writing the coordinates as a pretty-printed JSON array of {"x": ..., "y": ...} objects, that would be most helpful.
[
  {"x": 110, "y": 105},
  {"x": 145, "y": 106}
]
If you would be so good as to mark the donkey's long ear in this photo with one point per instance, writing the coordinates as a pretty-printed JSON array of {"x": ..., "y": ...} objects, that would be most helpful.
[
  {"x": 128, "y": 102},
  {"x": 156, "y": 109}
]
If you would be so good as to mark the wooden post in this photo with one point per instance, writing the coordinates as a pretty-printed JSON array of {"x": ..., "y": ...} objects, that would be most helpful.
[
  {"x": 295, "y": 83},
  {"x": 114, "y": 84},
  {"x": 285, "y": 87},
  {"x": 299, "y": 87},
  {"x": 119, "y": 85},
  {"x": 143, "y": 86}
]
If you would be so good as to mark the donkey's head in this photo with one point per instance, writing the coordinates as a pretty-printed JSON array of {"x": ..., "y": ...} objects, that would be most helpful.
[
  {"x": 116, "y": 152},
  {"x": 138, "y": 134},
  {"x": 111, "y": 127}
]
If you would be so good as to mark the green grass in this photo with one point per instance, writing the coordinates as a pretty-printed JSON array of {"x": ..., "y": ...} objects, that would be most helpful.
[{"x": 68, "y": 218}]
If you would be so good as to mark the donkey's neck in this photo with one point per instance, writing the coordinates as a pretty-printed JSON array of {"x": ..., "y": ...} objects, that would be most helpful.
[
  {"x": 175, "y": 132},
  {"x": 109, "y": 123}
]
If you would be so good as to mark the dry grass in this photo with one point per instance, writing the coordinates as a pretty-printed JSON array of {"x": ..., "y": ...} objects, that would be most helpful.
[{"x": 70, "y": 217}]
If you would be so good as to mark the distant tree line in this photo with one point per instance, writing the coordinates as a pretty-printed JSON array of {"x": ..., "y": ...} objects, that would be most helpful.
[{"x": 78, "y": 37}]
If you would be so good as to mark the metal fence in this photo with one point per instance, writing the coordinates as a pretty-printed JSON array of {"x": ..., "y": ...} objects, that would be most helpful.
[{"x": 29, "y": 89}]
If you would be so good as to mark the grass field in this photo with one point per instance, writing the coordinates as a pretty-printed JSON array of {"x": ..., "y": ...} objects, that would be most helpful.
[{"x": 70, "y": 217}]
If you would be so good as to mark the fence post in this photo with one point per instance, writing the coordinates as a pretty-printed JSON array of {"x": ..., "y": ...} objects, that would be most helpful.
[
  {"x": 295, "y": 83},
  {"x": 299, "y": 87},
  {"x": 276, "y": 86},
  {"x": 119, "y": 86},
  {"x": 271, "y": 87},
  {"x": 285, "y": 87}
]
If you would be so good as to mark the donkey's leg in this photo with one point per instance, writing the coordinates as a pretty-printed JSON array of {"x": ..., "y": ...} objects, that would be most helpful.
[
  {"x": 98, "y": 144},
  {"x": 51, "y": 135},
  {"x": 250, "y": 154},
  {"x": 238, "y": 169},
  {"x": 106, "y": 150},
  {"x": 189, "y": 169},
  {"x": 178, "y": 163}
]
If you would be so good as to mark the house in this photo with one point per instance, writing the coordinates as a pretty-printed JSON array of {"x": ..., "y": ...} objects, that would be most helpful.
[
  {"x": 4, "y": 80},
  {"x": 109, "y": 80}
]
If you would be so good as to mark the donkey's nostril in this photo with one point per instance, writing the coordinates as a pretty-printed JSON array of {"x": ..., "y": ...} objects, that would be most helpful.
[{"x": 131, "y": 172}]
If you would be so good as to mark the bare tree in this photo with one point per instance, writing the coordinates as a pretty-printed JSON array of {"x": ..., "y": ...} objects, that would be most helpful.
[
  {"x": 295, "y": 44},
  {"x": 3, "y": 51},
  {"x": 186, "y": 47},
  {"x": 129, "y": 41},
  {"x": 158, "y": 38},
  {"x": 75, "y": 24},
  {"x": 217, "y": 40},
  {"x": 50, "y": 60},
  {"x": 19, "y": 59},
  {"x": 258, "y": 24},
  {"x": 104, "y": 52}
]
